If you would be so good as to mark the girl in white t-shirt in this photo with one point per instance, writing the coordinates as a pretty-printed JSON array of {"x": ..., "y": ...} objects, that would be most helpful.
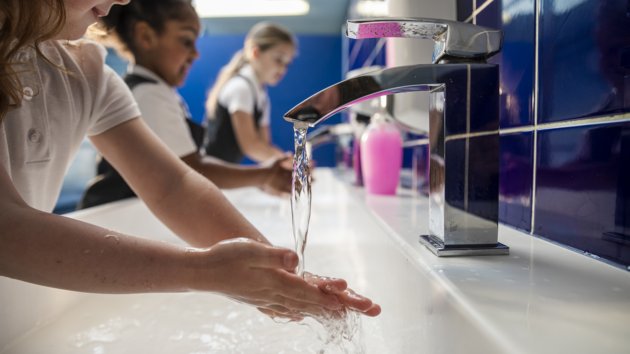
[
  {"x": 158, "y": 38},
  {"x": 53, "y": 92},
  {"x": 238, "y": 105}
]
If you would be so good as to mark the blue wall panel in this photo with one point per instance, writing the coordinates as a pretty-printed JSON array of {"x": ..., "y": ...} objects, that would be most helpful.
[
  {"x": 566, "y": 182},
  {"x": 584, "y": 59}
]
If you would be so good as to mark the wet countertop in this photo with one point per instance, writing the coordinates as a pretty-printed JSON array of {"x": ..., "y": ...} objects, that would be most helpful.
[{"x": 542, "y": 298}]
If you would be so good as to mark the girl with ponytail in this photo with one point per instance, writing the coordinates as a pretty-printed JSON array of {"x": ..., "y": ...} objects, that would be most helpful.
[{"x": 238, "y": 107}]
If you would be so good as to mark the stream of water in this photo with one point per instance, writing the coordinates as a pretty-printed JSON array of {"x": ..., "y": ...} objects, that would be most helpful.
[
  {"x": 341, "y": 330},
  {"x": 300, "y": 195}
]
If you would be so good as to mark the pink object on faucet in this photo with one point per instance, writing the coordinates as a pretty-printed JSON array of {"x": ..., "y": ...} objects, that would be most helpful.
[{"x": 380, "y": 30}]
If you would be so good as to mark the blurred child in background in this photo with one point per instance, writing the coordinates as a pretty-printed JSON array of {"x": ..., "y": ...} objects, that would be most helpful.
[{"x": 238, "y": 107}]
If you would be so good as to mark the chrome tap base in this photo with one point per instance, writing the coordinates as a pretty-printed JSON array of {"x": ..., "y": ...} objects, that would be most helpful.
[{"x": 436, "y": 245}]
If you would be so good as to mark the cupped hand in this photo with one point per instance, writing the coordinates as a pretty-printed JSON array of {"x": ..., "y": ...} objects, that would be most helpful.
[
  {"x": 348, "y": 297},
  {"x": 261, "y": 275}
]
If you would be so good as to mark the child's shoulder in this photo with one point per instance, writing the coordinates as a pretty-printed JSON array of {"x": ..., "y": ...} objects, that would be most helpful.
[
  {"x": 238, "y": 85},
  {"x": 85, "y": 53},
  {"x": 85, "y": 48}
]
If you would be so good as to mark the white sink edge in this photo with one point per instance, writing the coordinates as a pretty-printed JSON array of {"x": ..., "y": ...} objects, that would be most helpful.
[{"x": 544, "y": 255}]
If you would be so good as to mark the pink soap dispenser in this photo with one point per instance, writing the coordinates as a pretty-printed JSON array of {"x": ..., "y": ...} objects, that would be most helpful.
[{"x": 381, "y": 154}]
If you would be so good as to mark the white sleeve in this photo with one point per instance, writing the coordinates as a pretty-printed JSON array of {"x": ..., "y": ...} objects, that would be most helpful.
[
  {"x": 265, "y": 120},
  {"x": 237, "y": 95},
  {"x": 162, "y": 112},
  {"x": 110, "y": 102}
]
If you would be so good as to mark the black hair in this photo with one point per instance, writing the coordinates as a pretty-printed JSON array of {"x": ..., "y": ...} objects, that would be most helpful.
[{"x": 118, "y": 26}]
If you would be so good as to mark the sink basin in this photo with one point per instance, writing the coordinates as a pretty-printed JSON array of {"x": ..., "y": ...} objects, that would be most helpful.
[
  {"x": 542, "y": 298},
  {"x": 345, "y": 241}
]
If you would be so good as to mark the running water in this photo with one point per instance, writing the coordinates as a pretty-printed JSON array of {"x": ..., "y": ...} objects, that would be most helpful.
[
  {"x": 340, "y": 329},
  {"x": 300, "y": 195}
]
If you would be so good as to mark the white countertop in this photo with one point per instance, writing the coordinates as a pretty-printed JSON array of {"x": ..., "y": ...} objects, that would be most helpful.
[{"x": 541, "y": 298}]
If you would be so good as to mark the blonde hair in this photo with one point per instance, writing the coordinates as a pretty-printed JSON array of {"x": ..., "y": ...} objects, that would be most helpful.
[
  {"x": 24, "y": 23},
  {"x": 264, "y": 36}
]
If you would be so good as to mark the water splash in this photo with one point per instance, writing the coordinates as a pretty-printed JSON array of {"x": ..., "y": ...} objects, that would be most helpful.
[
  {"x": 340, "y": 333},
  {"x": 338, "y": 330},
  {"x": 104, "y": 333}
]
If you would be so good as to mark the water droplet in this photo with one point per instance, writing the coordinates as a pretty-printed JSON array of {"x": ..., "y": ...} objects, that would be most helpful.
[{"x": 113, "y": 238}]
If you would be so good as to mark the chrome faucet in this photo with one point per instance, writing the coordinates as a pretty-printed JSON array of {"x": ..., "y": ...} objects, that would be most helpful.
[
  {"x": 328, "y": 133},
  {"x": 463, "y": 124}
]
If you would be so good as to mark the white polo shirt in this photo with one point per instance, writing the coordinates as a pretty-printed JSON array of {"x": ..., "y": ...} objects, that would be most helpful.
[
  {"x": 237, "y": 95},
  {"x": 163, "y": 109},
  {"x": 60, "y": 106}
]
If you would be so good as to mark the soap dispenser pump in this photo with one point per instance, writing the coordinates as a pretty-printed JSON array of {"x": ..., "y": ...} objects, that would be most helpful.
[{"x": 381, "y": 153}]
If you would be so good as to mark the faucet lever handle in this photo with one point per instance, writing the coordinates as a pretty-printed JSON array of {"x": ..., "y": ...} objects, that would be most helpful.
[{"x": 452, "y": 39}]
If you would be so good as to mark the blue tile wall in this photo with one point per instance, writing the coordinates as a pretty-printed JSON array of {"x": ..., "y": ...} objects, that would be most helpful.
[
  {"x": 582, "y": 189},
  {"x": 490, "y": 16},
  {"x": 515, "y": 189},
  {"x": 565, "y": 119},
  {"x": 584, "y": 58},
  {"x": 516, "y": 60}
]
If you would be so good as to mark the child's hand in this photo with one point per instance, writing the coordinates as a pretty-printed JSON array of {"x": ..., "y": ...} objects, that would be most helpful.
[
  {"x": 278, "y": 176},
  {"x": 346, "y": 296},
  {"x": 260, "y": 275},
  {"x": 263, "y": 276},
  {"x": 338, "y": 287}
]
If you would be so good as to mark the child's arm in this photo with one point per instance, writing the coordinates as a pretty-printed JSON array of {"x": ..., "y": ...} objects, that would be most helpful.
[
  {"x": 273, "y": 177},
  {"x": 190, "y": 205},
  {"x": 57, "y": 251},
  {"x": 197, "y": 211},
  {"x": 252, "y": 142}
]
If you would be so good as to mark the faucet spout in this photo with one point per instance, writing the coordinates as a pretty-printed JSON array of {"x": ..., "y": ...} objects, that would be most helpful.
[
  {"x": 463, "y": 125},
  {"x": 341, "y": 95}
]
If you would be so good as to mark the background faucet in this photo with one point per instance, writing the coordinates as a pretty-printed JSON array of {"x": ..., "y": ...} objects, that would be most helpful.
[{"x": 463, "y": 124}]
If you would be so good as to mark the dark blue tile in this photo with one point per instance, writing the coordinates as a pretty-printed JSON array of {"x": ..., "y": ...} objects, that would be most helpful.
[
  {"x": 516, "y": 60},
  {"x": 364, "y": 52},
  {"x": 584, "y": 60},
  {"x": 583, "y": 189},
  {"x": 464, "y": 9},
  {"x": 490, "y": 16},
  {"x": 515, "y": 181}
]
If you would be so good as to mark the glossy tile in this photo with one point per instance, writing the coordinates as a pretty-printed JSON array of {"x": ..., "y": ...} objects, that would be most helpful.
[
  {"x": 464, "y": 9},
  {"x": 584, "y": 59},
  {"x": 363, "y": 52},
  {"x": 516, "y": 59},
  {"x": 515, "y": 180},
  {"x": 490, "y": 15},
  {"x": 583, "y": 189},
  {"x": 582, "y": 192}
]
